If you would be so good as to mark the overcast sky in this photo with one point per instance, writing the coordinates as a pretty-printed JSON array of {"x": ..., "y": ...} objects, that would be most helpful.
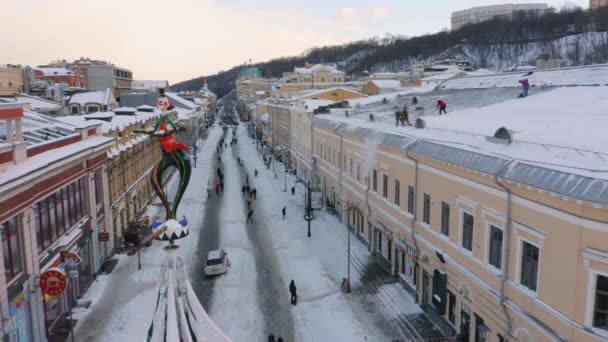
[{"x": 182, "y": 39}]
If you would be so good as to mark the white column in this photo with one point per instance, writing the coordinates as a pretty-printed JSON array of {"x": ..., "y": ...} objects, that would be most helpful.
[
  {"x": 9, "y": 131},
  {"x": 93, "y": 214},
  {"x": 32, "y": 267},
  {"x": 107, "y": 209},
  {"x": 19, "y": 131}
]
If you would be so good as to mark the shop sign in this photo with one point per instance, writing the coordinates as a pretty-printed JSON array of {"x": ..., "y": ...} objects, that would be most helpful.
[
  {"x": 16, "y": 303},
  {"x": 104, "y": 236},
  {"x": 407, "y": 248},
  {"x": 53, "y": 282},
  {"x": 385, "y": 230}
]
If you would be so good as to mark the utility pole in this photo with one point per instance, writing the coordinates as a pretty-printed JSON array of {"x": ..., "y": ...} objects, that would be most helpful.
[
  {"x": 348, "y": 232},
  {"x": 284, "y": 163},
  {"x": 308, "y": 205}
]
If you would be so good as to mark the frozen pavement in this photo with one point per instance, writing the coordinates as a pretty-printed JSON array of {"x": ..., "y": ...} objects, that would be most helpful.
[
  {"x": 123, "y": 301},
  {"x": 251, "y": 301},
  {"x": 373, "y": 311}
]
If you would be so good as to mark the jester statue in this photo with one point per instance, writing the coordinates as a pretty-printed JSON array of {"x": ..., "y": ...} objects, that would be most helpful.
[{"x": 173, "y": 154}]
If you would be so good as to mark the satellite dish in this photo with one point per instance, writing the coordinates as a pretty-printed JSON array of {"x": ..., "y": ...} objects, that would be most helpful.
[{"x": 504, "y": 134}]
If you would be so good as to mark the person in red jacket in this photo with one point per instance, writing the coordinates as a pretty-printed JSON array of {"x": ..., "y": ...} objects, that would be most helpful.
[{"x": 441, "y": 105}]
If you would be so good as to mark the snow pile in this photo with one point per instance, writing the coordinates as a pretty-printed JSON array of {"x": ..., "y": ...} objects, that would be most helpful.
[{"x": 589, "y": 75}]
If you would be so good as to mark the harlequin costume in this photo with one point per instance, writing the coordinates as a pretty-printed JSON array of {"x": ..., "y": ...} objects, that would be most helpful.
[{"x": 173, "y": 154}]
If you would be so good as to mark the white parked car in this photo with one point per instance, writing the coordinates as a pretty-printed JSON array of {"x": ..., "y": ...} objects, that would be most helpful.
[{"x": 216, "y": 263}]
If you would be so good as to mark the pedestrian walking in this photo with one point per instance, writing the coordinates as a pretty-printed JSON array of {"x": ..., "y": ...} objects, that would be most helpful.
[
  {"x": 219, "y": 159},
  {"x": 414, "y": 101},
  {"x": 238, "y": 159},
  {"x": 250, "y": 216},
  {"x": 247, "y": 178},
  {"x": 293, "y": 191},
  {"x": 280, "y": 339},
  {"x": 217, "y": 188},
  {"x": 243, "y": 189},
  {"x": 397, "y": 116},
  {"x": 404, "y": 116},
  {"x": 284, "y": 211},
  {"x": 254, "y": 192},
  {"x": 525, "y": 84},
  {"x": 221, "y": 177},
  {"x": 248, "y": 200},
  {"x": 371, "y": 117},
  {"x": 292, "y": 290},
  {"x": 221, "y": 186},
  {"x": 255, "y": 172},
  {"x": 219, "y": 170},
  {"x": 442, "y": 106},
  {"x": 271, "y": 338}
]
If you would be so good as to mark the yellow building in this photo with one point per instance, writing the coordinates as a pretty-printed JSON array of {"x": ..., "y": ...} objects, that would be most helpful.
[
  {"x": 317, "y": 74},
  {"x": 490, "y": 244},
  {"x": 11, "y": 80}
]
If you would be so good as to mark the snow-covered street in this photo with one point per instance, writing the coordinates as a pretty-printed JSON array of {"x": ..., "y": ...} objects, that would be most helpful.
[{"x": 251, "y": 300}]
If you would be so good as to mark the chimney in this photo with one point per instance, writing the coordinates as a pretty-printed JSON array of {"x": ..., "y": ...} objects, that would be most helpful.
[{"x": 15, "y": 150}]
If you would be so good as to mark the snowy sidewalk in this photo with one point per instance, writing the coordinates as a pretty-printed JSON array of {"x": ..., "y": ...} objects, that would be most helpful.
[
  {"x": 317, "y": 264},
  {"x": 123, "y": 301}
]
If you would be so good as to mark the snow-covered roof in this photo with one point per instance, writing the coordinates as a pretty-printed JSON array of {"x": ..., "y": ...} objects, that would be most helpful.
[
  {"x": 179, "y": 101},
  {"x": 440, "y": 77},
  {"x": 125, "y": 110},
  {"x": 39, "y": 162},
  {"x": 309, "y": 93},
  {"x": 588, "y": 75},
  {"x": 386, "y": 84},
  {"x": 149, "y": 84},
  {"x": 550, "y": 150},
  {"x": 38, "y": 128},
  {"x": 35, "y": 103},
  {"x": 47, "y": 71},
  {"x": 309, "y": 71},
  {"x": 109, "y": 120},
  {"x": 98, "y": 96},
  {"x": 311, "y": 105}
]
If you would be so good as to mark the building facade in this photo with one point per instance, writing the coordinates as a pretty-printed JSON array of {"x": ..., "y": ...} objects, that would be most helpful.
[
  {"x": 483, "y": 13},
  {"x": 61, "y": 75},
  {"x": 101, "y": 75},
  {"x": 11, "y": 80},
  {"x": 479, "y": 248},
  {"x": 46, "y": 211},
  {"x": 596, "y": 4},
  {"x": 316, "y": 74}
]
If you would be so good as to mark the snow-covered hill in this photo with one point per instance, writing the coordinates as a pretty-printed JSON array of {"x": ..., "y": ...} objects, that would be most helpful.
[{"x": 579, "y": 49}]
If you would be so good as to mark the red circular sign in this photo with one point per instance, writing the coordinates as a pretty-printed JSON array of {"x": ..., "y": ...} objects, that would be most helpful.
[{"x": 53, "y": 282}]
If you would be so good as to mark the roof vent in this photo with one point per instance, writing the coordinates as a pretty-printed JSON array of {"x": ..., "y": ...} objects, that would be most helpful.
[
  {"x": 419, "y": 123},
  {"x": 503, "y": 135}
]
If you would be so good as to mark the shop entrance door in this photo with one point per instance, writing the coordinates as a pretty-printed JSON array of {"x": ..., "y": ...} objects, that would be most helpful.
[
  {"x": 465, "y": 322},
  {"x": 425, "y": 287}
]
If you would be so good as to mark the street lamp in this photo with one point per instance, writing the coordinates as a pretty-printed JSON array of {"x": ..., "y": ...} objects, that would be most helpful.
[
  {"x": 308, "y": 216},
  {"x": 348, "y": 209},
  {"x": 285, "y": 164}
]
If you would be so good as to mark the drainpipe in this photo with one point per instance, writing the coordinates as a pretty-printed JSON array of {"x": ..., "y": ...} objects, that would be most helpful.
[
  {"x": 341, "y": 158},
  {"x": 414, "y": 214},
  {"x": 505, "y": 270}
]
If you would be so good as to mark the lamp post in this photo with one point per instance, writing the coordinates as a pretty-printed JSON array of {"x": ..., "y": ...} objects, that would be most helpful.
[
  {"x": 348, "y": 209},
  {"x": 285, "y": 164},
  {"x": 308, "y": 215}
]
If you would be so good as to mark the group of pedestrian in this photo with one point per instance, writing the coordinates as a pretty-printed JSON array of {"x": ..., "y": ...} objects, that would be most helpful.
[{"x": 272, "y": 339}]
